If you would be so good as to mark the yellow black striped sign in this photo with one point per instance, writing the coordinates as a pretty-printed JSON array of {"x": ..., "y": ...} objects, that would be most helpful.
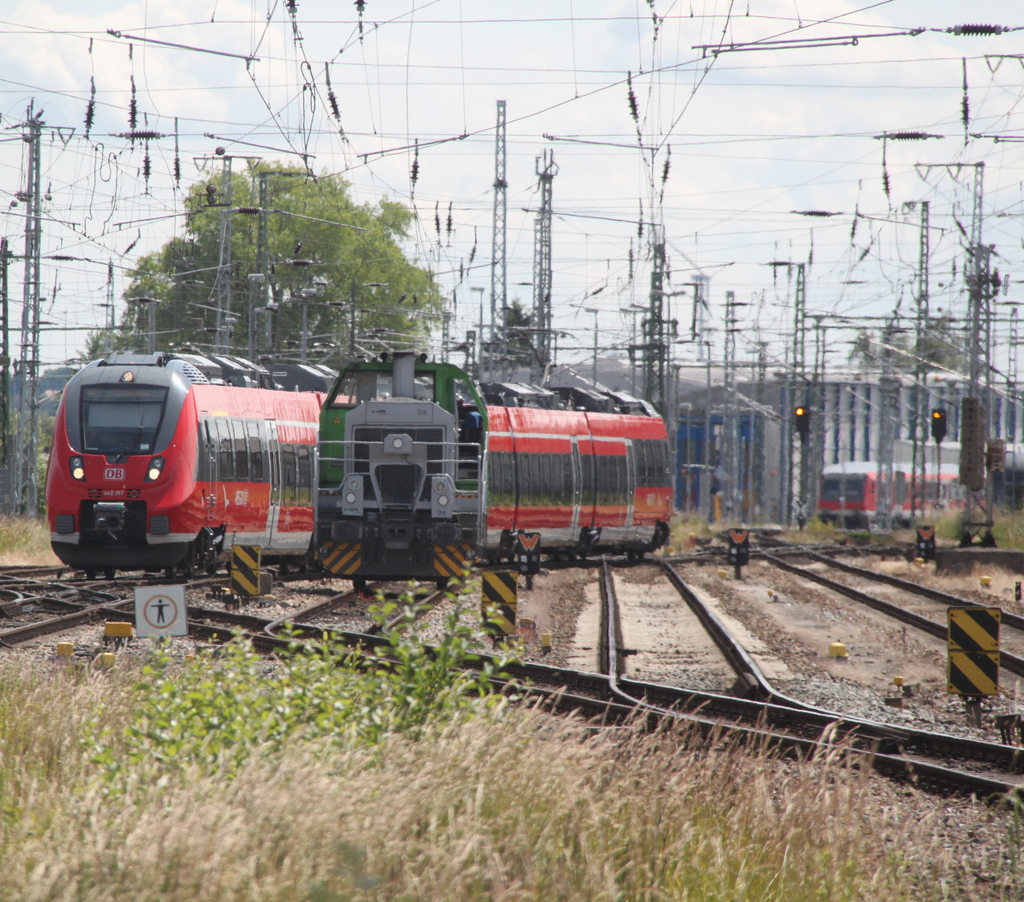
[
  {"x": 245, "y": 570},
  {"x": 499, "y": 593},
  {"x": 974, "y": 629},
  {"x": 450, "y": 560},
  {"x": 973, "y": 673},
  {"x": 342, "y": 558},
  {"x": 973, "y": 640}
]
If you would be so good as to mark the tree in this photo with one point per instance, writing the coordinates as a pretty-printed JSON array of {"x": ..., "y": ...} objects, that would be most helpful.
[
  {"x": 312, "y": 266},
  {"x": 940, "y": 347}
]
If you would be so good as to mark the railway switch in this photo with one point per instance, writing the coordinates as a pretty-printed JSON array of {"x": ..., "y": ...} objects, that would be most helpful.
[
  {"x": 838, "y": 650},
  {"x": 106, "y": 659},
  {"x": 65, "y": 649},
  {"x": 545, "y": 643}
]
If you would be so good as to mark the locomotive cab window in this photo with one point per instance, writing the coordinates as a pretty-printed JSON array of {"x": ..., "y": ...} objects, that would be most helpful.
[
  {"x": 359, "y": 386},
  {"x": 120, "y": 419}
]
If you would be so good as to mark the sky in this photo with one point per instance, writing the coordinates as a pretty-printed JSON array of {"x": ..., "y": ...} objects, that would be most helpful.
[{"x": 749, "y": 115}]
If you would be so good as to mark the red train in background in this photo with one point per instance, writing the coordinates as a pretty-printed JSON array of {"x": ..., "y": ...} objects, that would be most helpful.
[
  {"x": 164, "y": 461},
  {"x": 849, "y": 493}
]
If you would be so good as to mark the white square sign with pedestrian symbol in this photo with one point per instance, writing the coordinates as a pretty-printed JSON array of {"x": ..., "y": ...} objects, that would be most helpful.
[{"x": 160, "y": 611}]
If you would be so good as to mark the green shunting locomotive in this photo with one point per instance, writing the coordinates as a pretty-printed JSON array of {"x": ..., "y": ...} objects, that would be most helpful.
[{"x": 402, "y": 481}]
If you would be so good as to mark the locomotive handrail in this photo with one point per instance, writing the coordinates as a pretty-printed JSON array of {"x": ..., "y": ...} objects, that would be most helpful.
[{"x": 348, "y": 461}]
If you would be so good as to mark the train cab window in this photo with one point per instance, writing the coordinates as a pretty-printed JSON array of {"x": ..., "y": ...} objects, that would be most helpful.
[
  {"x": 121, "y": 419},
  {"x": 226, "y": 452},
  {"x": 846, "y": 488},
  {"x": 358, "y": 386},
  {"x": 241, "y": 452},
  {"x": 255, "y": 451}
]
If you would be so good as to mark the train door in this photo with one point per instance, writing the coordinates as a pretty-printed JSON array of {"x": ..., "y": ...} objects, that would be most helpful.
[
  {"x": 630, "y": 486},
  {"x": 208, "y": 472},
  {"x": 577, "y": 487},
  {"x": 273, "y": 466}
]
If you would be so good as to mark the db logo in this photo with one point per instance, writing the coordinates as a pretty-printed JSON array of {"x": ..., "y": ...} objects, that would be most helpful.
[{"x": 113, "y": 473}]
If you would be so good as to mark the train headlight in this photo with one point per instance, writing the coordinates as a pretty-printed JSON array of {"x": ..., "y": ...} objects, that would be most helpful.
[
  {"x": 156, "y": 467},
  {"x": 442, "y": 500},
  {"x": 351, "y": 497},
  {"x": 353, "y": 485},
  {"x": 77, "y": 468}
]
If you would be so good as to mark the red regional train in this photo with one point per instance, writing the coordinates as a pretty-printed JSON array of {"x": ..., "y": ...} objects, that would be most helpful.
[
  {"x": 164, "y": 461},
  {"x": 849, "y": 493},
  {"x": 582, "y": 480}
]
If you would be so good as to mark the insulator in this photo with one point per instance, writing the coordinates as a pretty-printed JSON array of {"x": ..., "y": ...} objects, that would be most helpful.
[
  {"x": 248, "y": 210},
  {"x": 335, "y": 109},
  {"x": 414, "y": 177},
  {"x": 90, "y": 116},
  {"x": 133, "y": 107},
  {"x": 177, "y": 169},
  {"x": 633, "y": 111},
  {"x": 664, "y": 170},
  {"x": 292, "y": 6},
  {"x": 147, "y": 167},
  {"x": 437, "y": 218},
  {"x": 448, "y": 224},
  {"x": 977, "y": 30},
  {"x": 907, "y": 136}
]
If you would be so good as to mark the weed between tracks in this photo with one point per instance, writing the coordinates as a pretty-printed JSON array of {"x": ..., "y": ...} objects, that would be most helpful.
[{"x": 231, "y": 780}]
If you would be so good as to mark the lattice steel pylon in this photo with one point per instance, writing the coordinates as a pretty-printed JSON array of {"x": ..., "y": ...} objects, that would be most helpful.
[
  {"x": 546, "y": 172},
  {"x": 499, "y": 262},
  {"x": 655, "y": 345},
  {"x": 978, "y": 510},
  {"x": 25, "y": 477},
  {"x": 919, "y": 418}
]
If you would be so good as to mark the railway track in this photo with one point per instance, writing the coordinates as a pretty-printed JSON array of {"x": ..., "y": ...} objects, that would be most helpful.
[
  {"x": 1008, "y": 661},
  {"x": 939, "y": 760}
]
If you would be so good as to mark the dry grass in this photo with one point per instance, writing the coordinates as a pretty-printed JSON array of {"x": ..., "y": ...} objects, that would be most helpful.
[
  {"x": 25, "y": 542},
  {"x": 517, "y": 806}
]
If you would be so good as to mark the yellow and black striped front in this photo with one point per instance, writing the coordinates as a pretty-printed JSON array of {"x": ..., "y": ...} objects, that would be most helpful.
[
  {"x": 450, "y": 560},
  {"x": 245, "y": 570},
  {"x": 342, "y": 558}
]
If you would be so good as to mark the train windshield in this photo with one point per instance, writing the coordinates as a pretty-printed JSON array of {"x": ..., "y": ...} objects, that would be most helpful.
[
  {"x": 358, "y": 386},
  {"x": 121, "y": 419},
  {"x": 840, "y": 488}
]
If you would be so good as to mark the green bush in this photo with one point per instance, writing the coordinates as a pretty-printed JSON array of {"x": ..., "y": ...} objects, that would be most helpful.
[{"x": 216, "y": 712}]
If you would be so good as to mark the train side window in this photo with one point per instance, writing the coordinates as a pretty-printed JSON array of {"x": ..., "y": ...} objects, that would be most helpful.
[
  {"x": 241, "y": 452},
  {"x": 640, "y": 465},
  {"x": 225, "y": 457},
  {"x": 287, "y": 474},
  {"x": 255, "y": 451},
  {"x": 304, "y": 493},
  {"x": 620, "y": 480},
  {"x": 566, "y": 464}
]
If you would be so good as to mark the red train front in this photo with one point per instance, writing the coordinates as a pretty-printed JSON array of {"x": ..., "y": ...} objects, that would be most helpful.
[{"x": 153, "y": 467}]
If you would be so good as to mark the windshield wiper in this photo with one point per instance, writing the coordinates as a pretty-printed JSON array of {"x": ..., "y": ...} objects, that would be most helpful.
[{"x": 126, "y": 448}]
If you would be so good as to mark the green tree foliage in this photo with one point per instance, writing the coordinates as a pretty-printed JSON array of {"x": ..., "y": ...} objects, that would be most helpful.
[
  {"x": 321, "y": 251},
  {"x": 940, "y": 347},
  {"x": 516, "y": 340}
]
